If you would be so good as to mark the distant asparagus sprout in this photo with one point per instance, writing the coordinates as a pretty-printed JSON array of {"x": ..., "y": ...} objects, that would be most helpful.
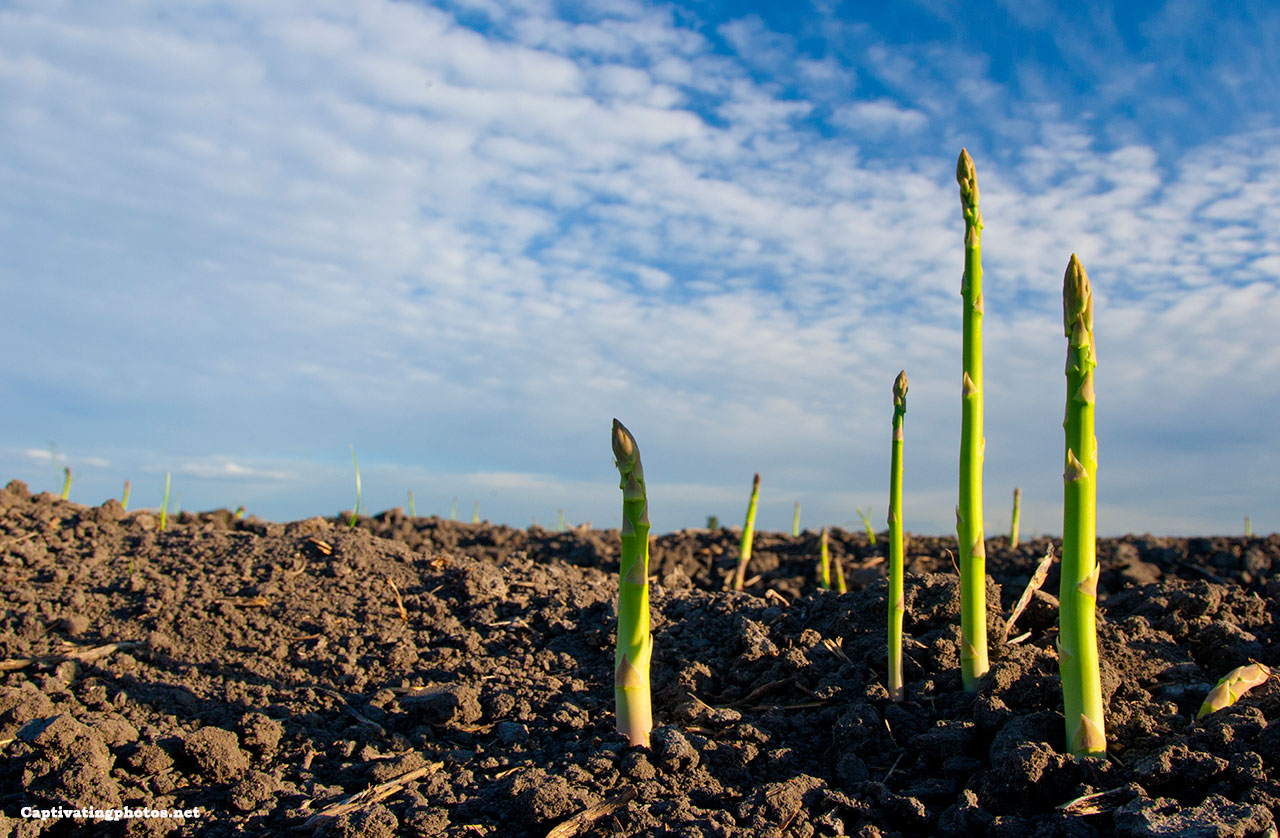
[
  {"x": 866, "y": 523},
  {"x": 1017, "y": 516},
  {"x": 1078, "y": 594},
  {"x": 896, "y": 602},
  {"x": 413, "y": 510},
  {"x": 840, "y": 586},
  {"x": 560, "y": 520},
  {"x": 713, "y": 523},
  {"x": 355, "y": 513},
  {"x": 164, "y": 507},
  {"x": 1248, "y": 527},
  {"x": 824, "y": 561},
  {"x": 973, "y": 551},
  {"x": 453, "y": 510},
  {"x": 748, "y": 535},
  {"x": 239, "y": 512},
  {"x": 66, "y": 482},
  {"x": 795, "y": 521},
  {"x": 124, "y": 497},
  {"x": 635, "y": 643},
  {"x": 1234, "y": 684},
  {"x": 475, "y": 513}
]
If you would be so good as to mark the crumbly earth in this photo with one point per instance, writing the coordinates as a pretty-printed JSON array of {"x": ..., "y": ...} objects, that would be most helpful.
[{"x": 456, "y": 679}]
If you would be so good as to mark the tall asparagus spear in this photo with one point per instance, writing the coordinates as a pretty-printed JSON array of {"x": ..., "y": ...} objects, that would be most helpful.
[
  {"x": 635, "y": 644},
  {"x": 973, "y": 551},
  {"x": 1017, "y": 517},
  {"x": 748, "y": 535},
  {"x": 1077, "y": 636},
  {"x": 896, "y": 604},
  {"x": 824, "y": 560}
]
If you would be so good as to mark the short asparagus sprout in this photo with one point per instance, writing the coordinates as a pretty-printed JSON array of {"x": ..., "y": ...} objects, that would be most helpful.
[
  {"x": 355, "y": 513},
  {"x": 713, "y": 523},
  {"x": 475, "y": 513},
  {"x": 795, "y": 521},
  {"x": 413, "y": 510},
  {"x": 453, "y": 510},
  {"x": 1078, "y": 594},
  {"x": 1233, "y": 685},
  {"x": 635, "y": 643},
  {"x": 824, "y": 561},
  {"x": 840, "y": 586},
  {"x": 748, "y": 535},
  {"x": 1017, "y": 516},
  {"x": 164, "y": 507},
  {"x": 973, "y": 551},
  {"x": 896, "y": 601},
  {"x": 66, "y": 482},
  {"x": 866, "y": 523},
  {"x": 560, "y": 520},
  {"x": 124, "y": 497},
  {"x": 239, "y": 512},
  {"x": 1248, "y": 527}
]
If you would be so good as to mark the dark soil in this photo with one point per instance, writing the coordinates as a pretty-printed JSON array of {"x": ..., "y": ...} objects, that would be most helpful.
[{"x": 265, "y": 673}]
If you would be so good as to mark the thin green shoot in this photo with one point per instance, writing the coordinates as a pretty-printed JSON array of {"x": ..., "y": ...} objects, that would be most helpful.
[
  {"x": 795, "y": 521},
  {"x": 1017, "y": 516},
  {"x": 240, "y": 512},
  {"x": 713, "y": 523},
  {"x": 475, "y": 513},
  {"x": 355, "y": 513},
  {"x": 824, "y": 562},
  {"x": 124, "y": 497},
  {"x": 560, "y": 521},
  {"x": 841, "y": 588},
  {"x": 866, "y": 523},
  {"x": 164, "y": 507},
  {"x": 66, "y": 482},
  {"x": 453, "y": 510},
  {"x": 897, "y": 602},
  {"x": 1248, "y": 527},
  {"x": 413, "y": 510},
  {"x": 748, "y": 535}
]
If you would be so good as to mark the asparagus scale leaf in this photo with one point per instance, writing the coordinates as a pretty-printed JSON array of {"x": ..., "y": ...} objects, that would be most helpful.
[
  {"x": 973, "y": 551},
  {"x": 1078, "y": 594},
  {"x": 635, "y": 643},
  {"x": 896, "y": 602}
]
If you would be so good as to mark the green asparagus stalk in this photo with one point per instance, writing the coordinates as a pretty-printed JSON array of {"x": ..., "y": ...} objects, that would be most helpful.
[
  {"x": 453, "y": 510},
  {"x": 748, "y": 535},
  {"x": 475, "y": 513},
  {"x": 635, "y": 643},
  {"x": 355, "y": 513},
  {"x": 795, "y": 521},
  {"x": 824, "y": 561},
  {"x": 1248, "y": 527},
  {"x": 1234, "y": 684},
  {"x": 866, "y": 523},
  {"x": 164, "y": 507},
  {"x": 840, "y": 586},
  {"x": 560, "y": 520},
  {"x": 413, "y": 510},
  {"x": 973, "y": 551},
  {"x": 896, "y": 603},
  {"x": 124, "y": 498},
  {"x": 66, "y": 482},
  {"x": 1077, "y": 635},
  {"x": 1017, "y": 516}
]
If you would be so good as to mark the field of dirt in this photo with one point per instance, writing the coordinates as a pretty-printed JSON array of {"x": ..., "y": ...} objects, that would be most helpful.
[{"x": 435, "y": 678}]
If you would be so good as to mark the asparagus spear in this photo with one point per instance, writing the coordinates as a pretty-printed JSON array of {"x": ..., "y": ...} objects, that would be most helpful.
[
  {"x": 635, "y": 643},
  {"x": 1017, "y": 516},
  {"x": 1077, "y": 596},
  {"x": 795, "y": 521},
  {"x": 124, "y": 497},
  {"x": 748, "y": 535},
  {"x": 66, "y": 482},
  {"x": 1234, "y": 684},
  {"x": 824, "y": 560},
  {"x": 973, "y": 551},
  {"x": 896, "y": 604}
]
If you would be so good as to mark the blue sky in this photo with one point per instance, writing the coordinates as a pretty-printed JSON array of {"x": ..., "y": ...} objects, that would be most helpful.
[{"x": 236, "y": 238}]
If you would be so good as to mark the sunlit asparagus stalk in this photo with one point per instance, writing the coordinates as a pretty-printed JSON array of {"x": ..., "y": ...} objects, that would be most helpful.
[
  {"x": 1078, "y": 595},
  {"x": 1234, "y": 684},
  {"x": 475, "y": 513},
  {"x": 413, "y": 511},
  {"x": 355, "y": 513},
  {"x": 866, "y": 524},
  {"x": 824, "y": 561},
  {"x": 124, "y": 497},
  {"x": 453, "y": 510},
  {"x": 795, "y": 521},
  {"x": 1017, "y": 517},
  {"x": 164, "y": 507},
  {"x": 841, "y": 588},
  {"x": 66, "y": 482},
  {"x": 973, "y": 551},
  {"x": 635, "y": 644},
  {"x": 1248, "y": 527},
  {"x": 896, "y": 603},
  {"x": 748, "y": 535}
]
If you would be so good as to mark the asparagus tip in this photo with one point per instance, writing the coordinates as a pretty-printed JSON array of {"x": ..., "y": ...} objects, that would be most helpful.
[
  {"x": 900, "y": 389},
  {"x": 1077, "y": 297}
]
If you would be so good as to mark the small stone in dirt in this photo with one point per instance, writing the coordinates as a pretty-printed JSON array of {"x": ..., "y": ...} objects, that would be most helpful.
[
  {"x": 443, "y": 704},
  {"x": 216, "y": 754},
  {"x": 511, "y": 732}
]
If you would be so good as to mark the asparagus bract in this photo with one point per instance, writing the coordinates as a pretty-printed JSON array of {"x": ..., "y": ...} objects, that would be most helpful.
[
  {"x": 1078, "y": 594},
  {"x": 973, "y": 551},
  {"x": 635, "y": 644},
  {"x": 748, "y": 535},
  {"x": 896, "y": 604}
]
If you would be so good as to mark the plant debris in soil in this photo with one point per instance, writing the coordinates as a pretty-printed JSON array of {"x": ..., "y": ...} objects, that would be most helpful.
[{"x": 415, "y": 676}]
